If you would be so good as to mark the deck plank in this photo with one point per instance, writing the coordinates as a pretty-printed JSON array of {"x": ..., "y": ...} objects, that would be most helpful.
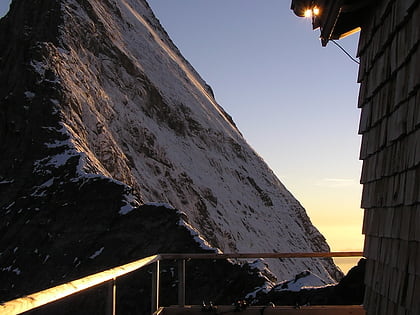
[{"x": 269, "y": 310}]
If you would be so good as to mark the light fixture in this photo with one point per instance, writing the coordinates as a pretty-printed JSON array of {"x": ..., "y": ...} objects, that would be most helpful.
[{"x": 311, "y": 12}]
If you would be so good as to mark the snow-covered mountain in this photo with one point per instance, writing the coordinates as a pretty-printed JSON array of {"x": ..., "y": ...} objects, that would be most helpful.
[{"x": 100, "y": 113}]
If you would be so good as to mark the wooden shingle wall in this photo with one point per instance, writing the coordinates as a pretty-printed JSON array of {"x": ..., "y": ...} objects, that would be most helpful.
[{"x": 390, "y": 124}]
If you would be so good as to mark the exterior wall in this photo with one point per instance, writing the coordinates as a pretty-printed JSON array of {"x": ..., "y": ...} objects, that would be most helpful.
[{"x": 390, "y": 124}]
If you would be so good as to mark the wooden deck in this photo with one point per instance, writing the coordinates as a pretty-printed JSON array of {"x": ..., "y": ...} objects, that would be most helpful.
[{"x": 265, "y": 310}]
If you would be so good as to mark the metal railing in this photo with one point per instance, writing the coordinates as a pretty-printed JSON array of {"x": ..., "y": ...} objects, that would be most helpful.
[{"x": 53, "y": 294}]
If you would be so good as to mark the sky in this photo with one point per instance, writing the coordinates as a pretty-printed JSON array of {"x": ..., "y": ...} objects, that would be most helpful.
[{"x": 294, "y": 101}]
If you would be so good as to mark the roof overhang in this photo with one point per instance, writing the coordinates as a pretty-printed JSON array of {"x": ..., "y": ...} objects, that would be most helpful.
[{"x": 335, "y": 18}]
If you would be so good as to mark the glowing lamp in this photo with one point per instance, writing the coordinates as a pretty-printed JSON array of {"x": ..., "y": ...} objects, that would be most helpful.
[
  {"x": 308, "y": 13},
  {"x": 311, "y": 12}
]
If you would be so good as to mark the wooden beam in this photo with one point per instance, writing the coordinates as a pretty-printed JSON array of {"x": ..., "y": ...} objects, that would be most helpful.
[
  {"x": 262, "y": 255},
  {"x": 38, "y": 299},
  {"x": 155, "y": 287},
  {"x": 269, "y": 310},
  {"x": 329, "y": 20}
]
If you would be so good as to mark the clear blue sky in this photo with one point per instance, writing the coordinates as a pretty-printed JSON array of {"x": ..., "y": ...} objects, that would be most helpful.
[{"x": 294, "y": 101}]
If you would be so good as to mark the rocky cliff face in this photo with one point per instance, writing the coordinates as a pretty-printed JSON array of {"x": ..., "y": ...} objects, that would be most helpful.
[{"x": 100, "y": 113}]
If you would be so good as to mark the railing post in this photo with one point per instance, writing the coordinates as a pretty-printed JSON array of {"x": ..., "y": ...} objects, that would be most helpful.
[
  {"x": 155, "y": 287},
  {"x": 181, "y": 282},
  {"x": 112, "y": 297}
]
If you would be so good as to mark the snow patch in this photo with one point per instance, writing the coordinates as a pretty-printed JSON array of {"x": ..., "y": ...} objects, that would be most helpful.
[
  {"x": 10, "y": 268},
  {"x": 54, "y": 101},
  {"x": 29, "y": 95},
  {"x": 10, "y": 205},
  {"x": 60, "y": 159},
  {"x": 3, "y": 182},
  {"x": 45, "y": 259},
  {"x": 160, "y": 204},
  {"x": 130, "y": 203},
  {"x": 97, "y": 253},
  {"x": 303, "y": 280},
  {"x": 40, "y": 190},
  {"x": 126, "y": 209},
  {"x": 48, "y": 183},
  {"x": 259, "y": 264},
  {"x": 55, "y": 161},
  {"x": 57, "y": 144},
  {"x": 197, "y": 237},
  {"x": 265, "y": 288},
  {"x": 38, "y": 66}
]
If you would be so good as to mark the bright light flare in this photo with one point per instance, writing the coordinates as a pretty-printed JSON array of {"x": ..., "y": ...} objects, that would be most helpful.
[{"x": 311, "y": 12}]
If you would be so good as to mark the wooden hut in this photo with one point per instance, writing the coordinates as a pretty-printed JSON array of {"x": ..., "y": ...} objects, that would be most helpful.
[{"x": 389, "y": 100}]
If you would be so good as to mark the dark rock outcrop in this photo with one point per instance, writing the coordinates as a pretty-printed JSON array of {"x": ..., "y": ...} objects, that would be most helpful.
[
  {"x": 106, "y": 241},
  {"x": 349, "y": 291}
]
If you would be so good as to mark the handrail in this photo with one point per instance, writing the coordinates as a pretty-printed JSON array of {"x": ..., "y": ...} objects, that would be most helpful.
[
  {"x": 262, "y": 255},
  {"x": 44, "y": 297},
  {"x": 41, "y": 298}
]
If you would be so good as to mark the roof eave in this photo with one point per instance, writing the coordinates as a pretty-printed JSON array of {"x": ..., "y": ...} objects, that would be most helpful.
[{"x": 337, "y": 18}]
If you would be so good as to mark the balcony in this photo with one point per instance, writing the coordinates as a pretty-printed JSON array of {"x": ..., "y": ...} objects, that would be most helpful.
[{"x": 42, "y": 298}]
